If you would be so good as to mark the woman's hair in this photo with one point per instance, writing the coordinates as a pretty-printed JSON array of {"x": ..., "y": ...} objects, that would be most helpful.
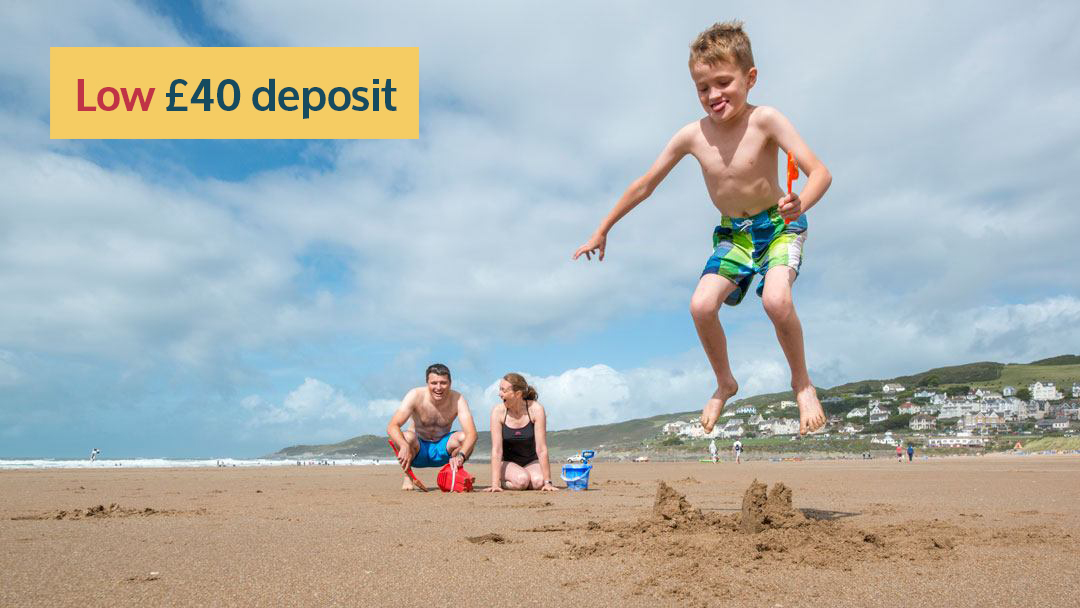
[{"x": 518, "y": 383}]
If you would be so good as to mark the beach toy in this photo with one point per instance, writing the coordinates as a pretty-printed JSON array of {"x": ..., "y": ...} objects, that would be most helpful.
[
  {"x": 792, "y": 175},
  {"x": 450, "y": 480},
  {"x": 416, "y": 482},
  {"x": 576, "y": 476}
]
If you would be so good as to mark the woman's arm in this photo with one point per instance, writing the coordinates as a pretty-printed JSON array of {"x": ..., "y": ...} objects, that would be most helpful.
[
  {"x": 496, "y": 450},
  {"x": 540, "y": 433}
]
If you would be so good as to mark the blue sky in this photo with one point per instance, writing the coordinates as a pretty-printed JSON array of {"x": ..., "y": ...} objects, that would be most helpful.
[{"x": 227, "y": 298}]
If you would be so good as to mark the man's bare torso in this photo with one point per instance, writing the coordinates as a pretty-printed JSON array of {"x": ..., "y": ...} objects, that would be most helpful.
[
  {"x": 430, "y": 420},
  {"x": 738, "y": 162}
]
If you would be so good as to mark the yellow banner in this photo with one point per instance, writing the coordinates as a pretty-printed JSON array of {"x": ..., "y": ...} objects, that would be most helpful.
[{"x": 234, "y": 93}]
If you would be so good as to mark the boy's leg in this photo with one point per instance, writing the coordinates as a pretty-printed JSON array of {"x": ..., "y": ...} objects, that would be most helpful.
[
  {"x": 711, "y": 291},
  {"x": 776, "y": 297}
]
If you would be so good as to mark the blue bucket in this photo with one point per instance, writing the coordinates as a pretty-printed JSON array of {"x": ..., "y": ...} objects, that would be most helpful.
[{"x": 576, "y": 476}]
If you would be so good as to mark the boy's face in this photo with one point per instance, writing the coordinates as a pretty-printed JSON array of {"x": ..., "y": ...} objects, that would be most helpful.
[{"x": 722, "y": 88}]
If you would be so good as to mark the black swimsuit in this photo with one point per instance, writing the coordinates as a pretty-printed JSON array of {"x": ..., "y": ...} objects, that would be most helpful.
[{"x": 519, "y": 445}]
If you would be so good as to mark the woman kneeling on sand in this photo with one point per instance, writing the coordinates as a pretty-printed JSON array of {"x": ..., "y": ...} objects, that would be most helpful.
[{"x": 519, "y": 455}]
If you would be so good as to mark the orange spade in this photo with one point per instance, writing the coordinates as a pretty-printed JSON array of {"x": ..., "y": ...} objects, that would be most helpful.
[{"x": 792, "y": 175}]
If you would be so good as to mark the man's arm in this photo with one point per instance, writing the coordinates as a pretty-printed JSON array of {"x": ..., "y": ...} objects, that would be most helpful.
[
  {"x": 639, "y": 190},
  {"x": 467, "y": 426},
  {"x": 393, "y": 429},
  {"x": 779, "y": 128}
]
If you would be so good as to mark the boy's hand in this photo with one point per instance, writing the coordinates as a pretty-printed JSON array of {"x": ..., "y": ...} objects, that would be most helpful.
[
  {"x": 595, "y": 245},
  {"x": 790, "y": 207}
]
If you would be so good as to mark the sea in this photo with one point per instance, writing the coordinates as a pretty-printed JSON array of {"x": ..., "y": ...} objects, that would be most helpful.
[{"x": 163, "y": 463}]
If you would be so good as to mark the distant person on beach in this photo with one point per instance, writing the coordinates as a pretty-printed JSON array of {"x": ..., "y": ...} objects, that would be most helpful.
[
  {"x": 712, "y": 450},
  {"x": 899, "y": 453},
  {"x": 737, "y": 448},
  {"x": 432, "y": 409},
  {"x": 93, "y": 454},
  {"x": 519, "y": 454},
  {"x": 762, "y": 228},
  {"x": 910, "y": 452}
]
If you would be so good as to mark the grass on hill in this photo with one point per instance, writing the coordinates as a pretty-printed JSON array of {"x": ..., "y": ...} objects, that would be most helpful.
[
  {"x": 1060, "y": 444},
  {"x": 1059, "y": 360},
  {"x": 1020, "y": 376}
]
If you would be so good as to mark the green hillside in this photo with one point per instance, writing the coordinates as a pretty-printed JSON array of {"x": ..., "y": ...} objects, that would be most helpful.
[
  {"x": 1019, "y": 375},
  {"x": 1060, "y": 444},
  {"x": 1059, "y": 360},
  {"x": 1062, "y": 370}
]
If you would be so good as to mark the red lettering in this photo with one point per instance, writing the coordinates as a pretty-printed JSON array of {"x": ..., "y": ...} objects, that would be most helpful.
[
  {"x": 82, "y": 105},
  {"x": 101, "y": 99},
  {"x": 137, "y": 97}
]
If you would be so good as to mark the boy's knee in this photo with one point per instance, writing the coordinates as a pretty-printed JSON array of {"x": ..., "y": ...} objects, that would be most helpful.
[
  {"x": 703, "y": 309},
  {"x": 777, "y": 306}
]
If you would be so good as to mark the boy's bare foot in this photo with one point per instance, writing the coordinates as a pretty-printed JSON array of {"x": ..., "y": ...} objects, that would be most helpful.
[
  {"x": 407, "y": 484},
  {"x": 811, "y": 416},
  {"x": 715, "y": 405}
]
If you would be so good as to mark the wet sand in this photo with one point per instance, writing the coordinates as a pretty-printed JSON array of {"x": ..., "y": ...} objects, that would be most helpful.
[{"x": 990, "y": 531}]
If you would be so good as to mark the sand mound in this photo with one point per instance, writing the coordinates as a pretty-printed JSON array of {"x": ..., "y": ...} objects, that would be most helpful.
[
  {"x": 671, "y": 506},
  {"x": 101, "y": 512},
  {"x": 768, "y": 528},
  {"x": 491, "y": 537},
  {"x": 763, "y": 510}
]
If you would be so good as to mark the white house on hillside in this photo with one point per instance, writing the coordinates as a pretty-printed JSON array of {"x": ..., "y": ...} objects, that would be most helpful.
[
  {"x": 892, "y": 388},
  {"x": 1045, "y": 392},
  {"x": 696, "y": 431},
  {"x": 857, "y": 412},
  {"x": 1008, "y": 391},
  {"x": 780, "y": 426},
  {"x": 981, "y": 421},
  {"x": 922, "y": 422},
  {"x": 1076, "y": 391},
  {"x": 746, "y": 409},
  {"x": 909, "y": 408},
  {"x": 674, "y": 427},
  {"x": 851, "y": 429},
  {"x": 878, "y": 414},
  {"x": 732, "y": 432}
]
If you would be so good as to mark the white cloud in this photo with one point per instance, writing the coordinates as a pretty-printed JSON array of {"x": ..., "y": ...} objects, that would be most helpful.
[{"x": 600, "y": 394}]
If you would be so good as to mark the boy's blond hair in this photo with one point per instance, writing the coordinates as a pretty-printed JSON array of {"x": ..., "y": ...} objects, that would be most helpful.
[{"x": 723, "y": 42}]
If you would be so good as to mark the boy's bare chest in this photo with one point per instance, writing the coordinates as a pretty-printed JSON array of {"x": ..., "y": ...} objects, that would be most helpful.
[{"x": 747, "y": 157}]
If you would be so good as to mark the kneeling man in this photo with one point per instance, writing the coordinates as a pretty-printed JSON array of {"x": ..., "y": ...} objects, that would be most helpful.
[{"x": 433, "y": 409}]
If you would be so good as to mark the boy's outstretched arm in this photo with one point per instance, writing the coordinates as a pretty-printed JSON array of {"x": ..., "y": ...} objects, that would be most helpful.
[
  {"x": 639, "y": 190},
  {"x": 818, "y": 177}
]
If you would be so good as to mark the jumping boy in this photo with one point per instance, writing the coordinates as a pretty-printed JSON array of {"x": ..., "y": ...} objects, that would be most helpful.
[{"x": 737, "y": 145}]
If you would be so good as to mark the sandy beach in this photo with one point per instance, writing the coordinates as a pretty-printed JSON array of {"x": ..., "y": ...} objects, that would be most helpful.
[{"x": 989, "y": 531}]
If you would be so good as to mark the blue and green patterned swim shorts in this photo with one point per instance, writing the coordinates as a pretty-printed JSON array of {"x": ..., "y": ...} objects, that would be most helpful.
[{"x": 745, "y": 246}]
